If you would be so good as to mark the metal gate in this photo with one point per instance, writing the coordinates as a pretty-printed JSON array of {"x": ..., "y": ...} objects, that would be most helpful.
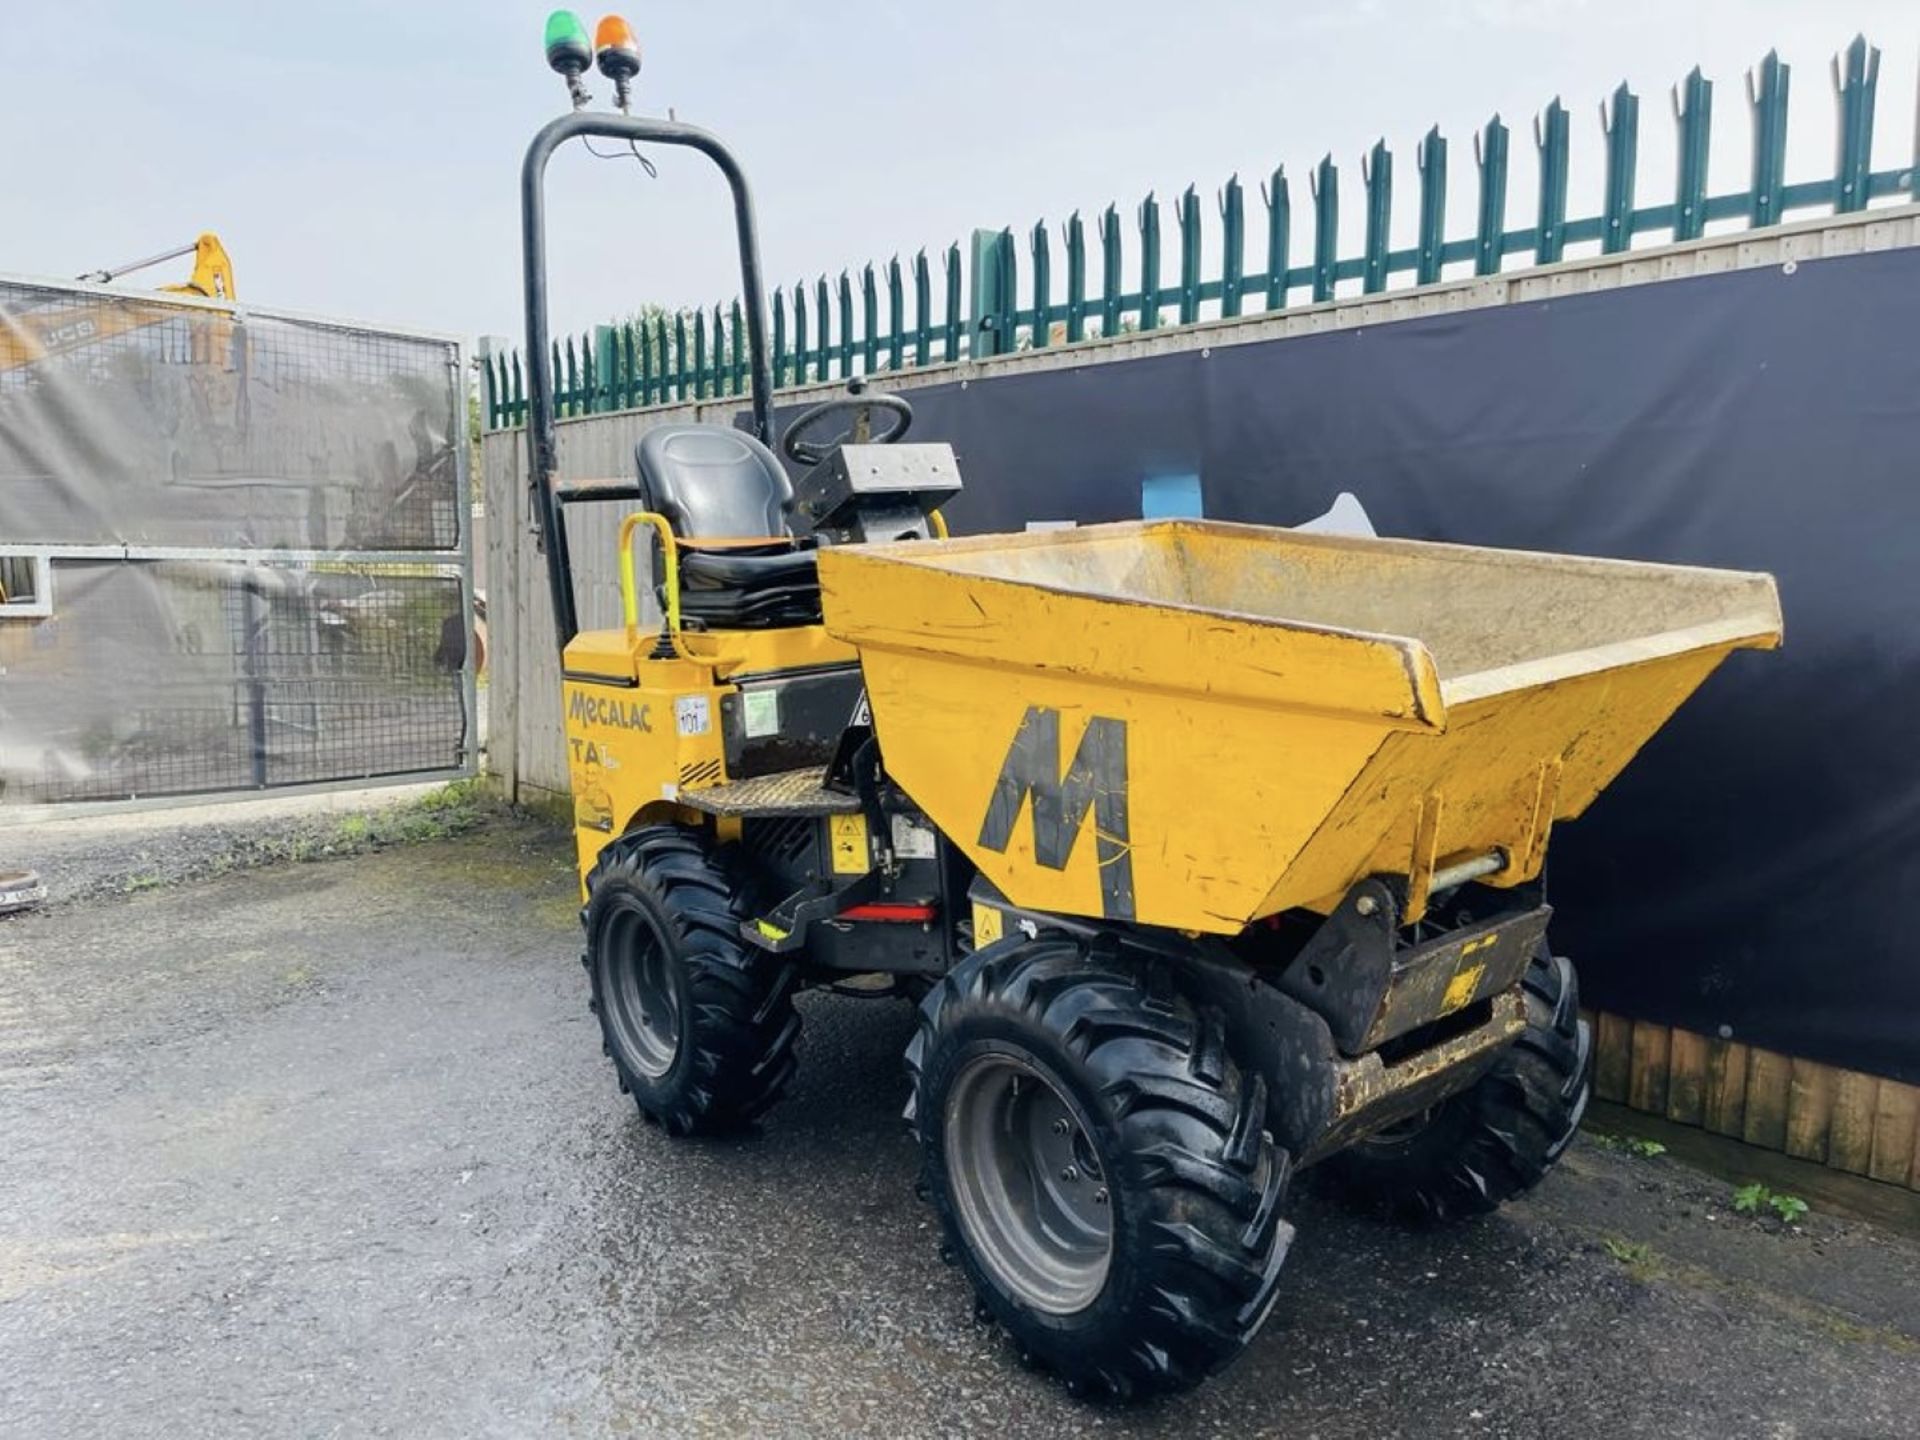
[{"x": 235, "y": 549}]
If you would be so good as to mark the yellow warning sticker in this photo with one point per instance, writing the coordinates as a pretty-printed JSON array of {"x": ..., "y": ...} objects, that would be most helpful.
[
  {"x": 988, "y": 925},
  {"x": 848, "y": 834}
]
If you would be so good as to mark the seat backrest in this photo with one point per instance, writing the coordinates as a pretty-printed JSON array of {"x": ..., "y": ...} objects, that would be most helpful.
[{"x": 713, "y": 482}]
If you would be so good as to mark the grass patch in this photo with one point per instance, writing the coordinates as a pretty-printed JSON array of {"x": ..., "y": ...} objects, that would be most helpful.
[
  {"x": 1638, "y": 1257},
  {"x": 440, "y": 814}
]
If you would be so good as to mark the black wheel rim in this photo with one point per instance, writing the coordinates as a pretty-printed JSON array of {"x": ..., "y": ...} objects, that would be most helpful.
[
  {"x": 638, "y": 992},
  {"x": 1028, "y": 1186}
]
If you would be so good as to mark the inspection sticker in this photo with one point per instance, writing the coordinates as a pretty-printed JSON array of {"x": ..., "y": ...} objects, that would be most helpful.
[
  {"x": 760, "y": 712},
  {"x": 911, "y": 840}
]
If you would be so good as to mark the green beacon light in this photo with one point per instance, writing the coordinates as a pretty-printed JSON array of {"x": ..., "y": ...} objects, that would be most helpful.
[{"x": 569, "y": 52}]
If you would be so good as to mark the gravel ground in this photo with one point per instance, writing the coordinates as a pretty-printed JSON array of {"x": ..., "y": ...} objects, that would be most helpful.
[
  {"x": 330, "y": 1149},
  {"x": 85, "y": 856}
]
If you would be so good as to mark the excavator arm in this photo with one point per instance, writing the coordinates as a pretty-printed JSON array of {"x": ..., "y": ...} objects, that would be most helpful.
[
  {"x": 32, "y": 335},
  {"x": 212, "y": 271}
]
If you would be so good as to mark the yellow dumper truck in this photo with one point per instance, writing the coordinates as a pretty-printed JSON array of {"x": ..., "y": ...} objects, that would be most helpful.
[{"x": 1206, "y": 851}]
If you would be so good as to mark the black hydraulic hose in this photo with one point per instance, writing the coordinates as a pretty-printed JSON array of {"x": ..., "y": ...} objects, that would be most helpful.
[{"x": 542, "y": 443}]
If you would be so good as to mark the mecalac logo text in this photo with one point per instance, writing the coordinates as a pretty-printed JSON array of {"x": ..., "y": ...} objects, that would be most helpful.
[{"x": 588, "y": 709}]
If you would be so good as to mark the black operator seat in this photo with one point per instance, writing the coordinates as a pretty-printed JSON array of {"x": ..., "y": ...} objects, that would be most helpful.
[{"x": 727, "y": 499}]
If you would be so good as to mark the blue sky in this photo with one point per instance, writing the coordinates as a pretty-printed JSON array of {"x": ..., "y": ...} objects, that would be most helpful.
[{"x": 360, "y": 158}]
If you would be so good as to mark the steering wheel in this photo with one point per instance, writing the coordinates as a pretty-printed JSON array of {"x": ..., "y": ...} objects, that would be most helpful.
[{"x": 858, "y": 429}]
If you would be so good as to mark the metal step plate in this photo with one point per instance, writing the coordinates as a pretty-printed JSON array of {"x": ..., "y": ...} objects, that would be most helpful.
[{"x": 787, "y": 792}]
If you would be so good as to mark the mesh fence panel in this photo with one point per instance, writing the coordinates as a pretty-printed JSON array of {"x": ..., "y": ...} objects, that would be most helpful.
[
  {"x": 235, "y": 437},
  {"x": 173, "y": 678},
  {"x": 131, "y": 419}
]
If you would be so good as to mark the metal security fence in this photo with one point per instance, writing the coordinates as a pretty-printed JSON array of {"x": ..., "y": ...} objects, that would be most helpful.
[
  {"x": 152, "y": 421},
  {"x": 1131, "y": 276},
  {"x": 234, "y": 551},
  {"x": 234, "y": 675}
]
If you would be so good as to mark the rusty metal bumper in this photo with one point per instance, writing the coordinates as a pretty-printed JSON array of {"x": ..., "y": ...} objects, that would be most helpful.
[{"x": 1370, "y": 1093}]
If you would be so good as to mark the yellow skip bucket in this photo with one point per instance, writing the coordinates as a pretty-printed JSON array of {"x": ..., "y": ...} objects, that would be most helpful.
[{"x": 1249, "y": 719}]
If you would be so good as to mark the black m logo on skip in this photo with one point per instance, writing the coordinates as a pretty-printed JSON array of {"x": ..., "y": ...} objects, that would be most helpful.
[{"x": 1095, "y": 780}]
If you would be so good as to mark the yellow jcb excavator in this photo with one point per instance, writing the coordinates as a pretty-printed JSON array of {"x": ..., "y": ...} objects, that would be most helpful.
[{"x": 32, "y": 335}]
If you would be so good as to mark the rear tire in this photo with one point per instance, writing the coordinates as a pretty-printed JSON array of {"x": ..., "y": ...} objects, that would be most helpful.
[
  {"x": 1046, "y": 1069},
  {"x": 1499, "y": 1137},
  {"x": 699, "y": 1025}
]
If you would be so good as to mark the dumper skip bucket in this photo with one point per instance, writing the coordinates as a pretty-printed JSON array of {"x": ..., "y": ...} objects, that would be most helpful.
[{"x": 1193, "y": 724}]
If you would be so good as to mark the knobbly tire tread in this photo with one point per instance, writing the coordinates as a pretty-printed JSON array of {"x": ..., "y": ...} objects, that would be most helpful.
[
  {"x": 1499, "y": 1137},
  {"x": 1196, "y": 1179},
  {"x": 740, "y": 1028}
]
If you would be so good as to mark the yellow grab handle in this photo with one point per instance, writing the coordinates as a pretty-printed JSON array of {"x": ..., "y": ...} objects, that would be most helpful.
[
  {"x": 939, "y": 524},
  {"x": 629, "y": 590}
]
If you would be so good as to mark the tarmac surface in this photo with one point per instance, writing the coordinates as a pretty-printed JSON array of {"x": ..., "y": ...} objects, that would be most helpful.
[{"x": 330, "y": 1149}]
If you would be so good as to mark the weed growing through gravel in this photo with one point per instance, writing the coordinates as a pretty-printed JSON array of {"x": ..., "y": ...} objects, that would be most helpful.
[
  {"x": 1630, "y": 1144},
  {"x": 1636, "y": 1255},
  {"x": 1755, "y": 1198}
]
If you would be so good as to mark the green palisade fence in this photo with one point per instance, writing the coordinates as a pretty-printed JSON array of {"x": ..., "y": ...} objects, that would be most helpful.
[{"x": 936, "y": 311}]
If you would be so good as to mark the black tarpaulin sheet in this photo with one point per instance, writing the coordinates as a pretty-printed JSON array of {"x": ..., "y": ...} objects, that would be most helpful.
[{"x": 1750, "y": 873}]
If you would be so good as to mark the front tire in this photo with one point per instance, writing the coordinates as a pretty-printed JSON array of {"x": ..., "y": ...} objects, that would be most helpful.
[
  {"x": 1099, "y": 1164},
  {"x": 1500, "y": 1136},
  {"x": 700, "y": 1027}
]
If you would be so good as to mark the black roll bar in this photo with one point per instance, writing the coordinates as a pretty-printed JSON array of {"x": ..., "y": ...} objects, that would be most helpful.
[{"x": 542, "y": 445}]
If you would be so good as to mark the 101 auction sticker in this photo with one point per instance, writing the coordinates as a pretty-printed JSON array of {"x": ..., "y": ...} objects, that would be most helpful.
[{"x": 692, "y": 715}]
